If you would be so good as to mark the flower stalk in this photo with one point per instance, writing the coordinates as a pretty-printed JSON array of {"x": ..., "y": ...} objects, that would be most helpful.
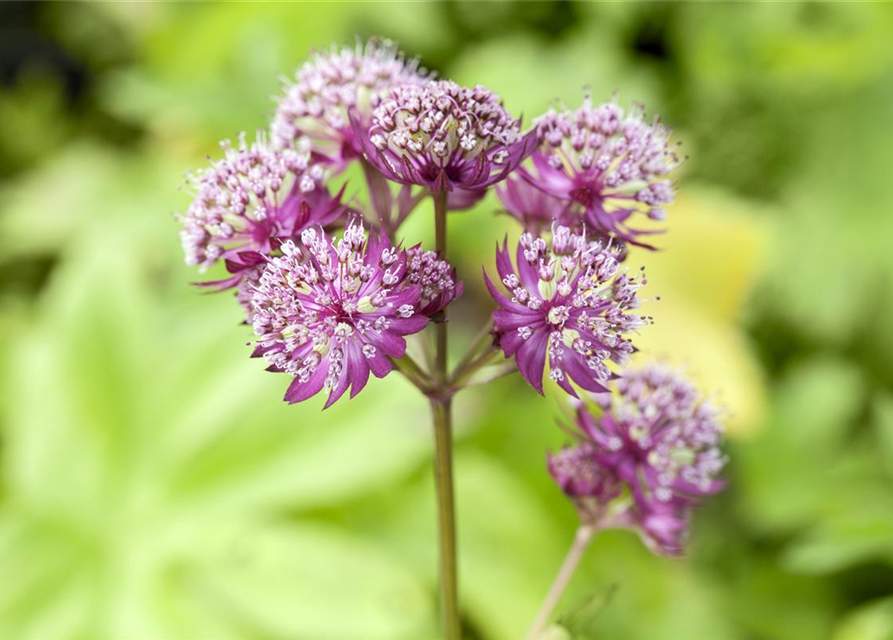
[
  {"x": 582, "y": 539},
  {"x": 441, "y": 411}
]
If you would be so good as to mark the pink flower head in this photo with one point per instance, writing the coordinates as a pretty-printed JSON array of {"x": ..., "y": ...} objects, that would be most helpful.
[
  {"x": 435, "y": 277},
  {"x": 659, "y": 440},
  {"x": 568, "y": 300},
  {"x": 330, "y": 312},
  {"x": 443, "y": 136},
  {"x": 535, "y": 209},
  {"x": 609, "y": 164},
  {"x": 248, "y": 202},
  {"x": 315, "y": 107}
]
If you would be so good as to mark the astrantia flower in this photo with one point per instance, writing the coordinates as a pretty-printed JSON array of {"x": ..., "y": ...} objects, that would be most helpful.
[
  {"x": 443, "y": 136},
  {"x": 315, "y": 107},
  {"x": 568, "y": 300},
  {"x": 330, "y": 312},
  {"x": 249, "y": 201},
  {"x": 535, "y": 209},
  {"x": 658, "y": 439},
  {"x": 435, "y": 277},
  {"x": 610, "y": 164}
]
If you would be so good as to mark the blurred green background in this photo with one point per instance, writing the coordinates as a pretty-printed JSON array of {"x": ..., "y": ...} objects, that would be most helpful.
[{"x": 155, "y": 486}]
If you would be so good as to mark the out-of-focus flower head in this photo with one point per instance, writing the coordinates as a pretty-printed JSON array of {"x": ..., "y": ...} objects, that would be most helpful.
[
  {"x": 314, "y": 108},
  {"x": 609, "y": 164},
  {"x": 443, "y": 136},
  {"x": 247, "y": 203},
  {"x": 568, "y": 300},
  {"x": 436, "y": 278},
  {"x": 329, "y": 312},
  {"x": 535, "y": 209},
  {"x": 650, "y": 456}
]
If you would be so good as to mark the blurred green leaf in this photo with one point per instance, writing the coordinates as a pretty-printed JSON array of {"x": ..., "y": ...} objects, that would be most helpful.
[
  {"x": 873, "y": 621},
  {"x": 794, "y": 471},
  {"x": 159, "y": 437},
  {"x": 308, "y": 573}
]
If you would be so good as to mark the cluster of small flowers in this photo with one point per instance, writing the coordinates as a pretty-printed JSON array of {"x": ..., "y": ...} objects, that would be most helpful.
[
  {"x": 569, "y": 301},
  {"x": 329, "y": 312},
  {"x": 265, "y": 211},
  {"x": 442, "y": 136},
  {"x": 315, "y": 107},
  {"x": 251, "y": 197},
  {"x": 595, "y": 166},
  {"x": 646, "y": 459}
]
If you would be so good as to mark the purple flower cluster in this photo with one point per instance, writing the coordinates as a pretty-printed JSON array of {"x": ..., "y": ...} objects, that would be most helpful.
[
  {"x": 598, "y": 166},
  {"x": 329, "y": 312},
  {"x": 568, "y": 300},
  {"x": 646, "y": 459},
  {"x": 314, "y": 109},
  {"x": 247, "y": 203},
  {"x": 443, "y": 136}
]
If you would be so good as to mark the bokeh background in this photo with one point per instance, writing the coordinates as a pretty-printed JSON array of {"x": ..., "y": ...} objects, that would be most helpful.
[{"x": 153, "y": 484}]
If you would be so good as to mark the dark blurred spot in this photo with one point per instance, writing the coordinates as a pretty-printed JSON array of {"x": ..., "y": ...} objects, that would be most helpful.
[
  {"x": 778, "y": 343},
  {"x": 865, "y": 582},
  {"x": 25, "y": 276},
  {"x": 650, "y": 39},
  {"x": 814, "y": 14},
  {"x": 23, "y": 46}
]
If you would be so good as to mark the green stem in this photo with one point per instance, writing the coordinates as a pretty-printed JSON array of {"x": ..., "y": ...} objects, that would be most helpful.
[
  {"x": 482, "y": 339},
  {"x": 441, "y": 408},
  {"x": 441, "y": 411},
  {"x": 581, "y": 542},
  {"x": 414, "y": 373}
]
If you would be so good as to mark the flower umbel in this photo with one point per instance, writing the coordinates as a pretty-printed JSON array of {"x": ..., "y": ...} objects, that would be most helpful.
[
  {"x": 249, "y": 201},
  {"x": 609, "y": 163},
  {"x": 330, "y": 312},
  {"x": 443, "y": 136},
  {"x": 658, "y": 438},
  {"x": 569, "y": 301},
  {"x": 435, "y": 277},
  {"x": 315, "y": 107}
]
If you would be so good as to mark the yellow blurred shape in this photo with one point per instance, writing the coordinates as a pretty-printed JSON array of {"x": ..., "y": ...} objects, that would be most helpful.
[{"x": 703, "y": 273}]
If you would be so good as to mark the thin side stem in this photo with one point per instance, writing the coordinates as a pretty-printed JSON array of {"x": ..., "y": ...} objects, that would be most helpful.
[
  {"x": 482, "y": 339},
  {"x": 379, "y": 195},
  {"x": 414, "y": 373},
  {"x": 581, "y": 542},
  {"x": 441, "y": 408}
]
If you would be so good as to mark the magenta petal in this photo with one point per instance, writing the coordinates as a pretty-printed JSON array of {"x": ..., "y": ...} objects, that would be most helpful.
[
  {"x": 499, "y": 297},
  {"x": 410, "y": 325},
  {"x": 299, "y": 391},
  {"x": 527, "y": 272},
  {"x": 503, "y": 261},
  {"x": 340, "y": 387},
  {"x": 565, "y": 384},
  {"x": 581, "y": 374},
  {"x": 381, "y": 365},
  {"x": 359, "y": 369},
  {"x": 391, "y": 344},
  {"x": 531, "y": 359}
]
